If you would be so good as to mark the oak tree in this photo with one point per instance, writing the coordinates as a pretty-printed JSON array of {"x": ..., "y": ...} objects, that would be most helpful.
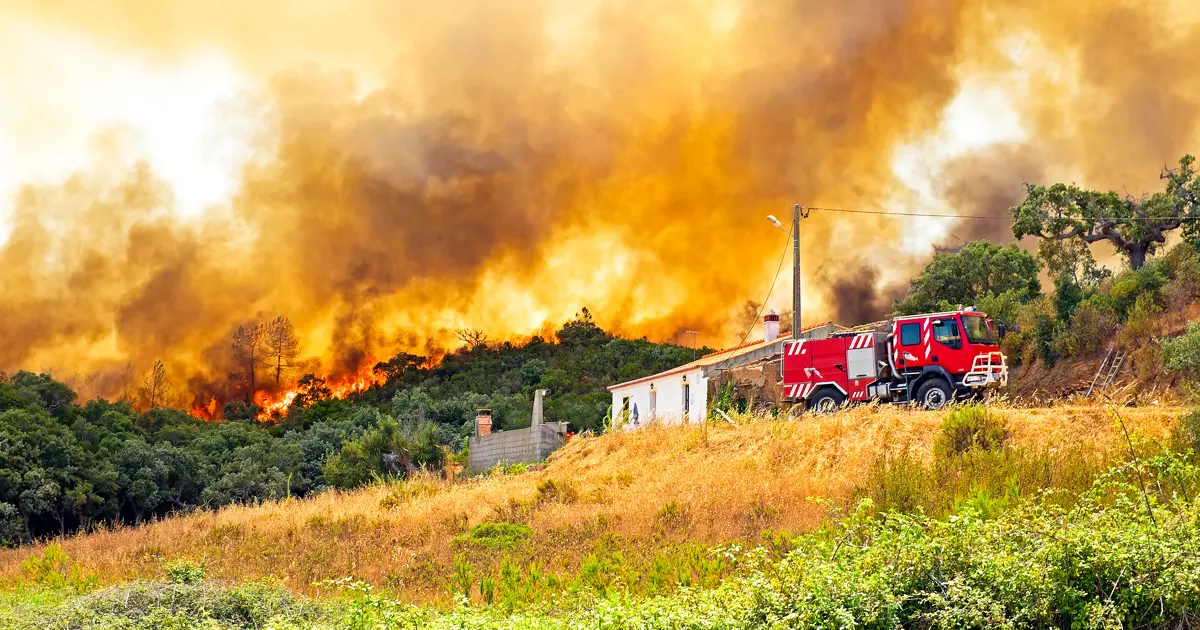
[{"x": 1136, "y": 227}]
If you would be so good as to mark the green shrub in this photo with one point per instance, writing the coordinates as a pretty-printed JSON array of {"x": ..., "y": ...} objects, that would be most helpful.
[
  {"x": 160, "y": 605},
  {"x": 1185, "y": 435},
  {"x": 1142, "y": 323},
  {"x": 1092, "y": 325},
  {"x": 53, "y": 568},
  {"x": 496, "y": 535},
  {"x": 971, "y": 427},
  {"x": 1182, "y": 354},
  {"x": 185, "y": 572}
]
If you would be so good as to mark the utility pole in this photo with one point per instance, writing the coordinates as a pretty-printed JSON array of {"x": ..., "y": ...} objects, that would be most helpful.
[
  {"x": 796, "y": 210},
  {"x": 693, "y": 333}
]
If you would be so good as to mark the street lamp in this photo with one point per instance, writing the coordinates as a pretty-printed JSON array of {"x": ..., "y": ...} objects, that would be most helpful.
[
  {"x": 693, "y": 333},
  {"x": 795, "y": 234}
]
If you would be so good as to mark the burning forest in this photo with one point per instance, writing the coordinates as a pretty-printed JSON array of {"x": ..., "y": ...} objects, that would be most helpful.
[{"x": 386, "y": 173}]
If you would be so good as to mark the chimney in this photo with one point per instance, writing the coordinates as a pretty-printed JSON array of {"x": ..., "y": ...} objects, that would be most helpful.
[
  {"x": 538, "y": 415},
  {"x": 771, "y": 326},
  {"x": 483, "y": 422}
]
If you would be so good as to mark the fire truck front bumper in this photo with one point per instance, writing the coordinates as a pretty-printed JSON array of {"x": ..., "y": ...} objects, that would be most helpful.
[{"x": 989, "y": 369}]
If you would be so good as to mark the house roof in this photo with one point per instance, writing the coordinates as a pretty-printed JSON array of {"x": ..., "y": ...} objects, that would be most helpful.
[{"x": 715, "y": 358}]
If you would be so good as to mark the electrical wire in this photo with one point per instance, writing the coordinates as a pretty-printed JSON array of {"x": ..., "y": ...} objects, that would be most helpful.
[
  {"x": 985, "y": 217},
  {"x": 763, "y": 307}
]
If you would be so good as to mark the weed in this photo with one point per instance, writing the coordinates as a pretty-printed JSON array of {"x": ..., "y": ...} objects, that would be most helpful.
[
  {"x": 496, "y": 535},
  {"x": 464, "y": 576},
  {"x": 673, "y": 517},
  {"x": 185, "y": 572},
  {"x": 54, "y": 569},
  {"x": 971, "y": 427},
  {"x": 551, "y": 491}
]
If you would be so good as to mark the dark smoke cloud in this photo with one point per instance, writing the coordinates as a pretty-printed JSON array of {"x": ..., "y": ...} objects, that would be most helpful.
[
  {"x": 988, "y": 183},
  {"x": 856, "y": 295}
]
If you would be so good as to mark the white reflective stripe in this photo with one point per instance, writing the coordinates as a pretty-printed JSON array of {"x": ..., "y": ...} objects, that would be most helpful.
[{"x": 928, "y": 349}]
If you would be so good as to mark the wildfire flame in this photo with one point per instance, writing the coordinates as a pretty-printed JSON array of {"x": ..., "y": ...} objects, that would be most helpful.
[
  {"x": 273, "y": 406},
  {"x": 205, "y": 412}
]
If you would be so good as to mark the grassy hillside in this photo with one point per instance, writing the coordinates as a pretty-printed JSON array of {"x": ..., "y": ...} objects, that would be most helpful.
[{"x": 654, "y": 500}]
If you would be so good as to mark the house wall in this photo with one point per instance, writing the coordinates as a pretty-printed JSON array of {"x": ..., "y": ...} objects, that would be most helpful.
[
  {"x": 669, "y": 404},
  {"x": 518, "y": 446}
]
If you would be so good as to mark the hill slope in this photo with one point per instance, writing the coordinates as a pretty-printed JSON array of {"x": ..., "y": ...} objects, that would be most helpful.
[{"x": 652, "y": 496}]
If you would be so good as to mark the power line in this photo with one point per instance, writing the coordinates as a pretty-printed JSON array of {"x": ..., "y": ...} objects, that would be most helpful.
[
  {"x": 985, "y": 217},
  {"x": 758, "y": 318},
  {"x": 913, "y": 214}
]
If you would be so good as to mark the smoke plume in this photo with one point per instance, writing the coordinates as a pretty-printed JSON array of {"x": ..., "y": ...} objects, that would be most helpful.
[{"x": 413, "y": 169}]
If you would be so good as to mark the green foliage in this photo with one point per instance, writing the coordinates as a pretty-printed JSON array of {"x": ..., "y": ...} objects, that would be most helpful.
[
  {"x": 1143, "y": 321},
  {"x": 978, "y": 269},
  {"x": 1136, "y": 228},
  {"x": 1185, "y": 434},
  {"x": 496, "y": 535},
  {"x": 971, "y": 427},
  {"x": 1091, "y": 329},
  {"x": 1002, "y": 308},
  {"x": 185, "y": 572},
  {"x": 54, "y": 569},
  {"x": 1182, "y": 354}
]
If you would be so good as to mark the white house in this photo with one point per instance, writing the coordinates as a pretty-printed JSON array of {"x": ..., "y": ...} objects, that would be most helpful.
[{"x": 680, "y": 394}]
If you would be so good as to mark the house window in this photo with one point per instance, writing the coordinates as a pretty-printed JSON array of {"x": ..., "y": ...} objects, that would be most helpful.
[{"x": 910, "y": 334}]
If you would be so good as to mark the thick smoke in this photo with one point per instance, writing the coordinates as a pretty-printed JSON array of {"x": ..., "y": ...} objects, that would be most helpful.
[{"x": 508, "y": 163}]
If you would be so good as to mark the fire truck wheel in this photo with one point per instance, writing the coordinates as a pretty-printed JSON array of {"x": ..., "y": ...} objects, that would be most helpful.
[
  {"x": 826, "y": 401},
  {"x": 934, "y": 394}
]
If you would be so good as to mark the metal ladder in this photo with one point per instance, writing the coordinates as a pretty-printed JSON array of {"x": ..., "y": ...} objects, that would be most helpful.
[{"x": 1106, "y": 374}]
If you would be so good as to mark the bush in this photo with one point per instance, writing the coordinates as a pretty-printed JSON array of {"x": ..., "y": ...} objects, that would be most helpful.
[
  {"x": 1182, "y": 354},
  {"x": 496, "y": 535},
  {"x": 968, "y": 428},
  {"x": 160, "y": 605},
  {"x": 1092, "y": 326},
  {"x": 1142, "y": 323},
  {"x": 1185, "y": 435},
  {"x": 185, "y": 572}
]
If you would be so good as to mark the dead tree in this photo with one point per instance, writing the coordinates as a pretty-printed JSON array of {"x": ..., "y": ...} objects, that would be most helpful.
[
  {"x": 155, "y": 386},
  {"x": 281, "y": 347}
]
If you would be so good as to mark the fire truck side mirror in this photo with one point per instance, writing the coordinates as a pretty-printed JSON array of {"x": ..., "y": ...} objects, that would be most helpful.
[
  {"x": 937, "y": 322},
  {"x": 1001, "y": 330}
]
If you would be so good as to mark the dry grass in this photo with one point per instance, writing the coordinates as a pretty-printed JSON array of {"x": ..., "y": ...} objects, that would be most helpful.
[{"x": 724, "y": 484}]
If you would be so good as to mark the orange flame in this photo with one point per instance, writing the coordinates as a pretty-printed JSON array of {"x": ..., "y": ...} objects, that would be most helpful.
[
  {"x": 205, "y": 412},
  {"x": 275, "y": 405}
]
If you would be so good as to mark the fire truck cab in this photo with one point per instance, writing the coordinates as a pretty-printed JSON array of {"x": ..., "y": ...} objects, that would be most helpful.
[{"x": 930, "y": 359}]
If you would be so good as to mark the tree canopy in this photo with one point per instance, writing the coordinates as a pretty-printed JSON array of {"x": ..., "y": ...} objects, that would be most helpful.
[
  {"x": 1135, "y": 227},
  {"x": 978, "y": 269}
]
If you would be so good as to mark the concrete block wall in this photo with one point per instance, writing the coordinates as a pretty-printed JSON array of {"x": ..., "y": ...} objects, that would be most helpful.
[{"x": 519, "y": 446}]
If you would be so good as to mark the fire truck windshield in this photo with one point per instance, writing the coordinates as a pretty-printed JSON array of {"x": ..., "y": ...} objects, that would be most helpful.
[{"x": 978, "y": 330}]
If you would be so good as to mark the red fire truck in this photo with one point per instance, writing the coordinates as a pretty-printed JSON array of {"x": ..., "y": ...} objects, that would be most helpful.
[{"x": 930, "y": 359}]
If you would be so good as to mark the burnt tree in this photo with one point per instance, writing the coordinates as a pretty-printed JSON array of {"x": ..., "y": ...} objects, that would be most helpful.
[
  {"x": 155, "y": 386},
  {"x": 281, "y": 347},
  {"x": 248, "y": 342}
]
